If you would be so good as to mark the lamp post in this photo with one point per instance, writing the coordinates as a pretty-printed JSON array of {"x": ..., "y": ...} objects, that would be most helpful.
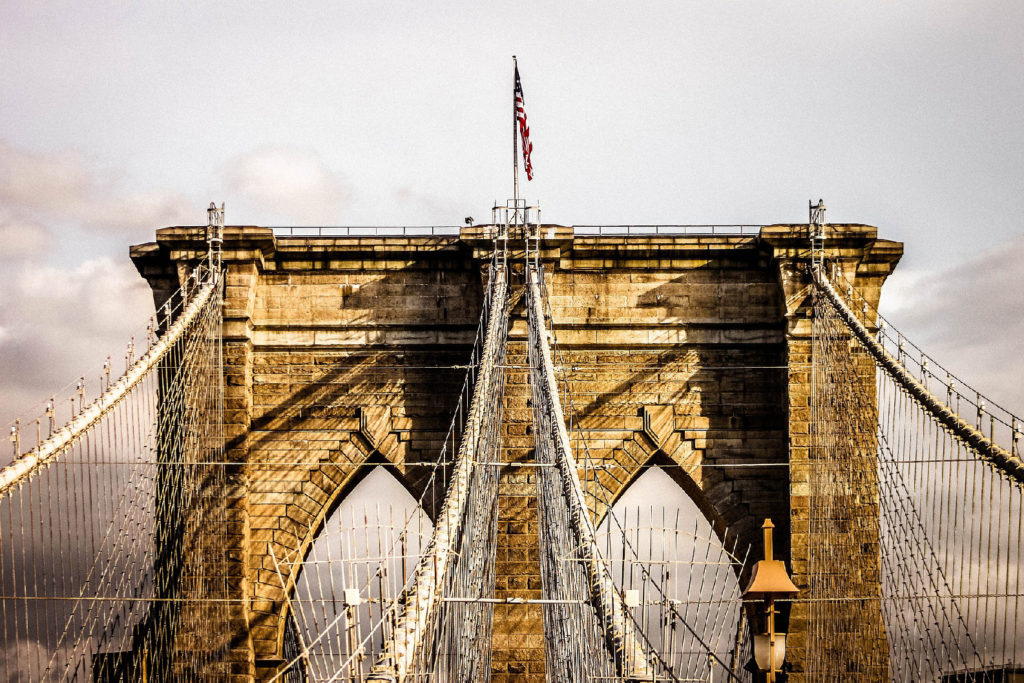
[{"x": 768, "y": 582}]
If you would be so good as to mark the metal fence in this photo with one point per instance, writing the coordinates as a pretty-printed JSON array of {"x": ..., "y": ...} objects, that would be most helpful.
[
  {"x": 369, "y": 231},
  {"x": 453, "y": 230},
  {"x": 692, "y": 230}
]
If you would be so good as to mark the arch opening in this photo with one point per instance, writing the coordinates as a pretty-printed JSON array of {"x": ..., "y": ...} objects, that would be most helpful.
[
  {"x": 680, "y": 580},
  {"x": 341, "y": 607}
]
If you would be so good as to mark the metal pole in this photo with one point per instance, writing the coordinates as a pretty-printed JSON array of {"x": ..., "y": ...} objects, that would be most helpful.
[
  {"x": 768, "y": 548},
  {"x": 215, "y": 236},
  {"x": 515, "y": 142}
]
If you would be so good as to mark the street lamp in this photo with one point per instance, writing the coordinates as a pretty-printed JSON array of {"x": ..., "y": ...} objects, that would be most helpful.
[{"x": 768, "y": 582}]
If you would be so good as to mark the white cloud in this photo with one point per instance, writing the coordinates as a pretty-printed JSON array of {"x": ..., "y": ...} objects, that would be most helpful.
[{"x": 286, "y": 184}]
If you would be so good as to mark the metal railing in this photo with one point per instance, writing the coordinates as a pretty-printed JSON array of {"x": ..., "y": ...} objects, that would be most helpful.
[
  {"x": 453, "y": 230},
  {"x": 368, "y": 231},
  {"x": 691, "y": 230}
]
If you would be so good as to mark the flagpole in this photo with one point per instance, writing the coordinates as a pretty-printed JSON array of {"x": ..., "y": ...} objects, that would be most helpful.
[{"x": 515, "y": 144}]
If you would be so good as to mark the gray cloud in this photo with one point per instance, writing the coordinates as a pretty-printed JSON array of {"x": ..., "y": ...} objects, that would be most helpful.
[
  {"x": 21, "y": 237},
  {"x": 43, "y": 182},
  {"x": 969, "y": 317},
  {"x": 903, "y": 115},
  {"x": 57, "y": 324},
  {"x": 66, "y": 188}
]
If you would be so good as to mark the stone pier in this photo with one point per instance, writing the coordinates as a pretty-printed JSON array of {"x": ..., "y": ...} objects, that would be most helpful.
[{"x": 340, "y": 352}]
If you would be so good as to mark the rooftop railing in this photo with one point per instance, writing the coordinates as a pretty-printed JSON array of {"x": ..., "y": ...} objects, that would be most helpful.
[
  {"x": 369, "y": 231},
  {"x": 453, "y": 230},
  {"x": 694, "y": 230}
]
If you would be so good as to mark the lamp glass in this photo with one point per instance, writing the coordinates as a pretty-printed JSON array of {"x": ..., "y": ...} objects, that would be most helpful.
[{"x": 761, "y": 648}]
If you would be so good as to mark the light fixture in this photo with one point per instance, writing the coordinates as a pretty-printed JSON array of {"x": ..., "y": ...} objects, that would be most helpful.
[
  {"x": 763, "y": 648},
  {"x": 768, "y": 582}
]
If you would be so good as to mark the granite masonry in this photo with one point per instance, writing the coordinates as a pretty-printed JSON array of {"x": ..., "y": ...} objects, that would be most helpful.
[{"x": 342, "y": 352}]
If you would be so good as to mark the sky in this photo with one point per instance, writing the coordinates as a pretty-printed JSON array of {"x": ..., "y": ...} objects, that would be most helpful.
[{"x": 121, "y": 118}]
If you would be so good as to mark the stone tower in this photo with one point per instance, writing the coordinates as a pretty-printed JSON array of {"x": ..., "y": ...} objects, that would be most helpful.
[{"x": 341, "y": 351}]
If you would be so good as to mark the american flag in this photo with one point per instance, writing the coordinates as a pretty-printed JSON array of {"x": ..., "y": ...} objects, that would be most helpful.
[{"x": 524, "y": 128}]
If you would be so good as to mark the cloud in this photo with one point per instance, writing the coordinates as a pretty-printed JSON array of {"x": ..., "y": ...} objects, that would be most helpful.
[
  {"x": 21, "y": 237},
  {"x": 969, "y": 317},
  {"x": 433, "y": 209},
  {"x": 66, "y": 188},
  {"x": 287, "y": 183},
  {"x": 44, "y": 182},
  {"x": 60, "y": 323}
]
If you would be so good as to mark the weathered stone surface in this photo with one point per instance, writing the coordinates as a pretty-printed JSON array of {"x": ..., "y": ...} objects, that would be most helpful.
[{"x": 690, "y": 353}]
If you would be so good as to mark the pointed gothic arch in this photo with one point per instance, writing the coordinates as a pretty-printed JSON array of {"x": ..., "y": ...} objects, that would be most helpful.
[
  {"x": 657, "y": 457},
  {"x": 327, "y": 486},
  {"x": 376, "y": 480}
]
